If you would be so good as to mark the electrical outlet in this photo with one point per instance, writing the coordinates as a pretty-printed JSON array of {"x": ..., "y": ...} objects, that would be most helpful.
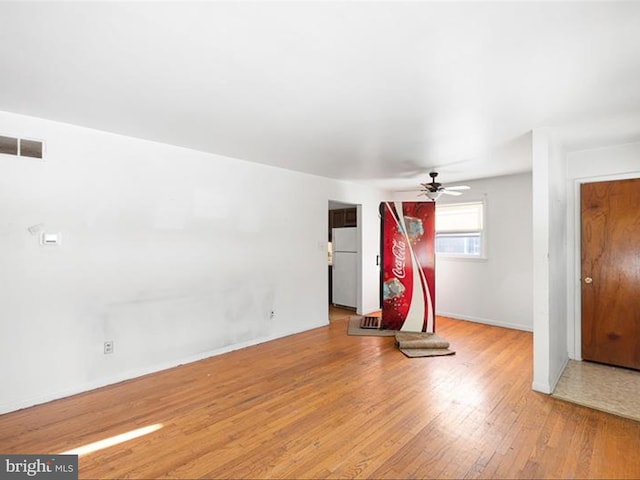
[{"x": 108, "y": 347}]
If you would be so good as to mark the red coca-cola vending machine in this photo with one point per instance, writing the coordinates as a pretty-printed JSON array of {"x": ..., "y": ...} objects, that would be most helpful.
[{"x": 407, "y": 283}]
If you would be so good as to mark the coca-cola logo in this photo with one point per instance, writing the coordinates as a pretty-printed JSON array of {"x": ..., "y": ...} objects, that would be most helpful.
[{"x": 398, "y": 249}]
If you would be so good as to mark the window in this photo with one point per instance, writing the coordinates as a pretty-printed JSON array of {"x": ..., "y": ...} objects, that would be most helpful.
[{"x": 460, "y": 230}]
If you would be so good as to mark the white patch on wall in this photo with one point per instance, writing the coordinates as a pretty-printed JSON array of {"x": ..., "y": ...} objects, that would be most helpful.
[
  {"x": 250, "y": 221},
  {"x": 207, "y": 204},
  {"x": 35, "y": 229},
  {"x": 170, "y": 215}
]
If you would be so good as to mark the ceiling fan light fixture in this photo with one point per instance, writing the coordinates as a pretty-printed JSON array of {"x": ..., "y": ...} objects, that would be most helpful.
[
  {"x": 433, "y": 195},
  {"x": 433, "y": 189}
]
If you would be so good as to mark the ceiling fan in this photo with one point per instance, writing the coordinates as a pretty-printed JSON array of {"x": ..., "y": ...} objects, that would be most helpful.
[{"x": 433, "y": 189}]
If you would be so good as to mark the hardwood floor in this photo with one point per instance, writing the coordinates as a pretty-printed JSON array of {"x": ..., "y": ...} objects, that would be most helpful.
[
  {"x": 322, "y": 404},
  {"x": 339, "y": 313}
]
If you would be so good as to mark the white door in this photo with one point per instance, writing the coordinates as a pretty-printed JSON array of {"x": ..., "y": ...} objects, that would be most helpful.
[{"x": 345, "y": 278}]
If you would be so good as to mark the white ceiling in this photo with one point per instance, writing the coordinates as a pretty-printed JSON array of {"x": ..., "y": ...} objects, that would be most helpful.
[{"x": 378, "y": 92}]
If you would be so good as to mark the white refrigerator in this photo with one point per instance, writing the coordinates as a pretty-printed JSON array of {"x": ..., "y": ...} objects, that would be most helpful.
[{"x": 345, "y": 266}]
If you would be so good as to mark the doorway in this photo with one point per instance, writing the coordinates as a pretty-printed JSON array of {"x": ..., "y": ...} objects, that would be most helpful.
[
  {"x": 610, "y": 272},
  {"x": 344, "y": 257}
]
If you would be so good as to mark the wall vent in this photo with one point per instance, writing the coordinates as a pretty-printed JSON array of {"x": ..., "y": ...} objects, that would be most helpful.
[{"x": 21, "y": 147}]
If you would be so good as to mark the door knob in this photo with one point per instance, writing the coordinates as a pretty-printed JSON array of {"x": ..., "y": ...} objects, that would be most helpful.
[{"x": 588, "y": 280}]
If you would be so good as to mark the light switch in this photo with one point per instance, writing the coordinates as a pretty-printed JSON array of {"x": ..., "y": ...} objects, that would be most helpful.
[{"x": 50, "y": 238}]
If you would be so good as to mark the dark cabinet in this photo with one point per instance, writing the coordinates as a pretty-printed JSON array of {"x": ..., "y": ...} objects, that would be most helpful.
[
  {"x": 338, "y": 218},
  {"x": 343, "y": 217},
  {"x": 350, "y": 217}
]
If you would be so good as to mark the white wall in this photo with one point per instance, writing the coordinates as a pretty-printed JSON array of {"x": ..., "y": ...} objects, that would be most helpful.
[
  {"x": 495, "y": 290},
  {"x": 171, "y": 253},
  {"x": 600, "y": 164},
  {"x": 549, "y": 261}
]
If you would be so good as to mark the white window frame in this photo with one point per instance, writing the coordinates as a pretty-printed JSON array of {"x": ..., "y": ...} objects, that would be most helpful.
[{"x": 483, "y": 232}]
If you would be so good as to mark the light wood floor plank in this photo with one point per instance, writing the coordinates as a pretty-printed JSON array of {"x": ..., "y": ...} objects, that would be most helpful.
[{"x": 322, "y": 404}]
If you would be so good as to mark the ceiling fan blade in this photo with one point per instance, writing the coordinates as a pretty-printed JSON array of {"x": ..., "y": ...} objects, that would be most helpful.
[
  {"x": 459, "y": 187},
  {"x": 449, "y": 192}
]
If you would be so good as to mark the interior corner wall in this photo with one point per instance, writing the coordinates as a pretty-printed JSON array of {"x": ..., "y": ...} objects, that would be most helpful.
[
  {"x": 549, "y": 260},
  {"x": 612, "y": 162},
  {"x": 495, "y": 290},
  {"x": 173, "y": 254}
]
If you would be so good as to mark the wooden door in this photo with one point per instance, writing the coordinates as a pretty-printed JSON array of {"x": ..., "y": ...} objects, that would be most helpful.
[{"x": 611, "y": 272}]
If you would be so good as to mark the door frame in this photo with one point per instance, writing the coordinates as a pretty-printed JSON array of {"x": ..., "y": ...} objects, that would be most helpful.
[
  {"x": 358, "y": 207},
  {"x": 574, "y": 269}
]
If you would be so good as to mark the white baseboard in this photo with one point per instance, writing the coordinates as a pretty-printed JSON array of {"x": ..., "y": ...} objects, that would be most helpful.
[
  {"x": 549, "y": 387},
  {"x": 486, "y": 321},
  {"x": 541, "y": 387},
  {"x": 128, "y": 375}
]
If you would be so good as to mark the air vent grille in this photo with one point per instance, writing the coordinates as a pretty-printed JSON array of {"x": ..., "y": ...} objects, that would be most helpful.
[
  {"x": 21, "y": 147},
  {"x": 9, "y": 145}
]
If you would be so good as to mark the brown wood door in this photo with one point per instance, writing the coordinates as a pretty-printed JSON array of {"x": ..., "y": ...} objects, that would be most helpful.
[{"x": 611, "y": 272}]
